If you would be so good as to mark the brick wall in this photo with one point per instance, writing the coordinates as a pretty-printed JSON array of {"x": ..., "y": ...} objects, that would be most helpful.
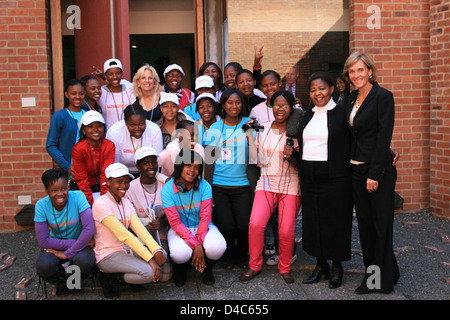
[
  {"x": 440, "y": 107},
  {"x": 24, "y": 72},
  {"x": 401, "y": 50},
  {"x": 298, "y": 33}
]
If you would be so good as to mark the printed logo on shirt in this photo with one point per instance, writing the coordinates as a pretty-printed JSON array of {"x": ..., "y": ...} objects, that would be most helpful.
[
  {"x": 129, "y": 150},
  {"x": 64, "y": 223},
  {"x": 113, "y": 106}
]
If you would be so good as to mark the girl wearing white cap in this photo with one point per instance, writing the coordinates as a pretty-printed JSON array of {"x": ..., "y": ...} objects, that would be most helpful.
[
  {"x": 120, "y": 255},
  {"x": 206, "y": 107},
  {"x": 171, "y": 115},
  {"x": 92, "y": 155},
  {"x": 203, "y": 84},
  {"x": 173, "y": 75},
  {"x": 115, "y": 96},
  {"x": 132, "y": 133}
]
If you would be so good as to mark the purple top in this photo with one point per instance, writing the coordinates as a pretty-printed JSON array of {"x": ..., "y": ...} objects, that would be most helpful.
[{"x": 69, "y": 246}]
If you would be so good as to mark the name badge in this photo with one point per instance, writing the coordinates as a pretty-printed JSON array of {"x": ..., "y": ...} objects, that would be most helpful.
[{"x": 226, "y": 154}]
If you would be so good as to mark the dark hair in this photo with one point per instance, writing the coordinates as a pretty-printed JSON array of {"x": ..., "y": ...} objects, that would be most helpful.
[
  {"x": 84, "y": 80},
  {"x": 287, "y": 95},
  {"x": 183, "y": 124},
  {"x": 320, "y": 75},
  {"x": 132, "y": 110},
  {"x": 52, "y": 175},
  {"x": 268, "y": 73},
  {"x": 72, "y": 82},
  {"x": 226, "y": 95},
  {"x": 235, "y": 65},
  {"x": 201, "y": 71},
  {"x": 186, "y": 157},
  {"x": 244, "y": 71}
]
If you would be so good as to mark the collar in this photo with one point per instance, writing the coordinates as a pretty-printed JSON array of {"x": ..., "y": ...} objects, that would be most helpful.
[{"x": 329, "y": 106}]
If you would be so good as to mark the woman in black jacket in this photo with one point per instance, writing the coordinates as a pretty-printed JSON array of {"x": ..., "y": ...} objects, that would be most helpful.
[
  {"x": 325, "y": 181},
  {"x": 370, "y": 114}
]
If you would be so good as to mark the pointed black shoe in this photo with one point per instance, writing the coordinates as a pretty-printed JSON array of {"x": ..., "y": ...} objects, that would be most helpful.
[
  {"x": 319, "y": 271},
  {"x": 336, "y": 278}
]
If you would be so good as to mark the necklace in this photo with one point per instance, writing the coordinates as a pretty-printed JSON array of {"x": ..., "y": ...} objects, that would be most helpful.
[
  {"x": 67, "y": 217},
  {"x": 145, "y": 196}
]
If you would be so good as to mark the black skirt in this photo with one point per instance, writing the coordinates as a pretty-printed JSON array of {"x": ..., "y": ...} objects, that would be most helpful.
[{"x": 327, "y": 212}]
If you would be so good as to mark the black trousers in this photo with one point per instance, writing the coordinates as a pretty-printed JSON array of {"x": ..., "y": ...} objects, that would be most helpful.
[
  {"x": 375, "y": 215},
  {"x": 231, "y": 215}
]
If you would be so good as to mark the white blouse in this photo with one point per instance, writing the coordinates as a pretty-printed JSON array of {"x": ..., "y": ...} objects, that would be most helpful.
[{"x": 315, "y": 134}]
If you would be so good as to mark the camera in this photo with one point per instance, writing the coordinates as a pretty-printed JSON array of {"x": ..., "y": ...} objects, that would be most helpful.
[
  {"x": 254, "y": 125},
  {"x": 289, "y": 141}
]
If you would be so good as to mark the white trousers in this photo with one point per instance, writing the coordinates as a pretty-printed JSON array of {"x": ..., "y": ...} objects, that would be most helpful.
[{"x": 214, "y": 245}]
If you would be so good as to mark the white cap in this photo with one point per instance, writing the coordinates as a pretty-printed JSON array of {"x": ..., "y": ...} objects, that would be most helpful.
[
  {"x": 173, "y": 67},
  {"x": 112, "y": 63},
  {"x": 91, "y": 116},
  {"x": 166, "y": 97},
  {"x": 205, "y": 95},
  {"x": 143, "y": 152},
  {"x": 117, "y": 170},
  {"x": 204, "y": 82}
]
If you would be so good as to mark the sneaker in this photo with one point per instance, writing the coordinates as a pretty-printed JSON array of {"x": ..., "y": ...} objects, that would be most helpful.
[
  {"x": 269, "y": 250},
  {"x": 274, "y": 260}
]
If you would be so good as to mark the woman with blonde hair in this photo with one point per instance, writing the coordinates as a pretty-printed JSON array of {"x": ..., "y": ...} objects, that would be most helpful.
[
  {"x": 370, "y": 114},
  {"x": 146, "y": 89}
]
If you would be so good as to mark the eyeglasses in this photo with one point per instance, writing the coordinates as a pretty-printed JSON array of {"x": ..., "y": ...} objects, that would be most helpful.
[{"x": 286, "y": 107}]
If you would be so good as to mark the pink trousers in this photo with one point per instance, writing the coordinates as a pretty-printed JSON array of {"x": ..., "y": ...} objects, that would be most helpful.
[{"x": 263, "y": 206}]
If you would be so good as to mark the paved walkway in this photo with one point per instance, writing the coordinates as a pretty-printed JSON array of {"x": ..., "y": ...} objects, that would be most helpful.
[{"x": 420, "y": 241}]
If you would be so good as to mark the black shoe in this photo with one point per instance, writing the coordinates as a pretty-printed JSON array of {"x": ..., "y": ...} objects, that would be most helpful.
[
  {"x": 180, "y": 273},
  {"x": 110, "y": 284},
  {"x": 336, "y": 278},
  {"x": 319, "y": 271}
]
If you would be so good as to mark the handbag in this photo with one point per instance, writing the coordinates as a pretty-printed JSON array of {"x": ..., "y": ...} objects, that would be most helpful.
[{"x": 25, "y": 217}]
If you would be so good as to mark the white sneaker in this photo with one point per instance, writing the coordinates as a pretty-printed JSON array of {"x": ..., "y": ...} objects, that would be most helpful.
[
  {"x": 269, "y": 250},
  {"x": 274, "y": 260}
]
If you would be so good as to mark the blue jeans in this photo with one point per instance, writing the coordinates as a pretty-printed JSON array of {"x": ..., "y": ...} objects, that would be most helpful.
[{"x": 49, "y": 268}]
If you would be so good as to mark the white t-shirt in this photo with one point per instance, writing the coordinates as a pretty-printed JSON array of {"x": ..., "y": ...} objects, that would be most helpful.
[
  {"x": 126, "y": 145},
  {"x": 262, "y": 113},
  {"x": 113, "y": 104}
]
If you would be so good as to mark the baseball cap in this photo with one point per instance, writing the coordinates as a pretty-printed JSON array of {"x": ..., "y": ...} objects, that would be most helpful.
[
  {"x": 173, "y": 67},
  {"x": 90, "y": 117},
  {"x": 144, "y": 152},
  {"x": 117, "y": 170},
  {"x": 112, "y": 63},
  {"x": 166, "y": 97},
  {"x": 204, "y": 82},
  {"x": 205, "y": 95}
]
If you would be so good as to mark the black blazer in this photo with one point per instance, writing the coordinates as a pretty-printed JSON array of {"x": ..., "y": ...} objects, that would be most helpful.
[
  {"x": 372, "y": 130},
  {"x": 338, "y": 141}
]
